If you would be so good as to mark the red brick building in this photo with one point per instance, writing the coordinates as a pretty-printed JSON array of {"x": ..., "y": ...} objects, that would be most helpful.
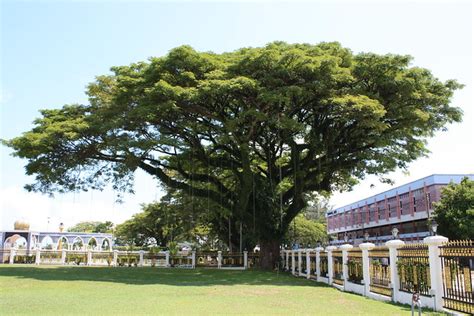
[{"x": 407, "y": 207}]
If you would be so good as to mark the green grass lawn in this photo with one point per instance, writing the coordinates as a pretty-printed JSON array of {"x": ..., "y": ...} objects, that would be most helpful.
[{"x": 29, "y": 290}]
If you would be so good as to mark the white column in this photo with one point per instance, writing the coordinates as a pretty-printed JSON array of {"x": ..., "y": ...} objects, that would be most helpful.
[
  {"x": 308, "y": 263},
  {"x": 293, "y": 262},
  {"x": 167, "y": 256},
  {"x": 89, "y": 257},
  {"x": 140, "y": 263},
  {"x": 318, "y": 261},
  {"x": 193, "y": 259},
  {"x": 365, "y": 247},
  {"x": 12, "y": 255},
  {"x": 38, "y": 256},
  {"x": 330, "y": 249},
  {"x": 219, "y": 259},
  {"x": 287, "y": 257},
  {"x": 63, "y": 256},
  {"x": 300, "y": 262},
  {"x": 345, "y": 273},
  {"x": 436, "y": 273},
  {"x": 246, "y": 256},
  {"x": 114, "y": 261},
  {"x": 393, "y": 246}
]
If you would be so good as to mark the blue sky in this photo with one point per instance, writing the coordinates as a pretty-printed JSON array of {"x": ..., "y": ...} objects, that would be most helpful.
[{"x": 50, "y": 50}]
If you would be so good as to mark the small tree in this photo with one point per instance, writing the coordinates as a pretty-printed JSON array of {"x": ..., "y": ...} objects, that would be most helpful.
[
  {"x": 454, "y": 213},
  {"x": 92, "y": 227},
  {"x": 304, "y": 231}
]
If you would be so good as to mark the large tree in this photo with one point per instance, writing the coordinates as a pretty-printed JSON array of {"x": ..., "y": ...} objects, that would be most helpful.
[{"x": 253, "y": 131}]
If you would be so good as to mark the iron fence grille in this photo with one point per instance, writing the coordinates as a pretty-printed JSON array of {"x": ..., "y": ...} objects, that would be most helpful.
[
  {"x": 457, "y": 261},
  {"x": 233, "y": 259},
  {"x": 414, "y": 269},
  {"x": 76, "y": 257},
  {"x": 206, "y": 259},
  {"x": 323, "y": 262},
  {"x": 25, "y": 256},
  {"x": 51, "y": 257},
  {"x": 154, "y": 259},
  {"x": 379, "y": 269},
  {"x": 354, "y": 266},
  {"x": 181, "y": 260},
  {"x": 303, "y": 262},
  {"x": 337, "y": 267},
  {"x": 297, "y": 260},
  {"x": 102, "y": 258},
  {"x": 128, "y": 259},
  {"x": 312, "y": 264},
  {"x": 253, "y": 259}
]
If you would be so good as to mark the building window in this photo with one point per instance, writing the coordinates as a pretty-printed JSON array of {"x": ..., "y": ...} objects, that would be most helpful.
[{"x": 414, "y": 204}]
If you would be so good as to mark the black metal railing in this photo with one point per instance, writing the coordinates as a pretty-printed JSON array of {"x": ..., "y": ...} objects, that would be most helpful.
[
  {"x": 379, "y": 270},
  {"x": 414, "y": 269},
  {"x": 457, "y": 261},
  {"x": 354, "y": 266},
  {"x": 323, "y": 264},
  {"x": 337, "y": 272}
]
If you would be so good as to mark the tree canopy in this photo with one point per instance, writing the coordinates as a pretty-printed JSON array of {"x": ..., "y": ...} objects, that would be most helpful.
[
  {"x": 454, "y": 213},
  {"x": 92, "y": 227},
  {"x": 251, "y": 131},
  {"x": 170, "y": 220}
]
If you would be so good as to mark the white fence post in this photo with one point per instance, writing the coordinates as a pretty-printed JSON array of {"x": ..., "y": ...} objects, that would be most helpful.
[
  {"x": 38, "y": 256},
  {"x": 89, "y": 257},
  {"x": 167, "y": 256},
  {"x": 366, "y": 247},
  {"x": 114, "y": 261},
  {"x": 63, "y": 256},
  {"x": 12, "y": 256},
  {"x": 318, "y": 261},
  {"x": 219, "y": 259},
  {"x": 140, "y": 263},
  {"x": 436, "y": 273},
  {"x": 345, "y": 271},
  {"x": 308, "y": 263},
  {"x": 393, "y": 246},
  {"x": 193, "y": 259},
  {"x": 293, "y": 262},
  {"x": 287, "y": 260},
  {"x": 246, "y": 259},
  {"x": 300, "y": 262},
  {"x": 330, "y": 249}
]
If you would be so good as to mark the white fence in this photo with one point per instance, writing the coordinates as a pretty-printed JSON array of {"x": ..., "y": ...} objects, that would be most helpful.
[
  {"x": 116, "y": 258},
  {"x": 310, "y": 263}
]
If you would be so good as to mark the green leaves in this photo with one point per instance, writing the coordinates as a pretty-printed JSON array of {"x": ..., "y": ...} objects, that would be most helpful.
[
  {"x": 454, "y": 213},
  {"x": 253, "y": 131}
]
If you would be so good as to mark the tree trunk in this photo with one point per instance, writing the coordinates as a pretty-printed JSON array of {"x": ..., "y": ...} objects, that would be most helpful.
[{"x": 269, "y": 254}]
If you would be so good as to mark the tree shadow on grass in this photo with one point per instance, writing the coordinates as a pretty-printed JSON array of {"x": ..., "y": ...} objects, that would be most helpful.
[
  {"x": 403, "y": 307},
  {"x": 147, "y": 275}
]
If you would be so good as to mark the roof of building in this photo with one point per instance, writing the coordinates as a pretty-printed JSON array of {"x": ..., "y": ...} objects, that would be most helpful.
[{"x": 414, "y": 185}]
